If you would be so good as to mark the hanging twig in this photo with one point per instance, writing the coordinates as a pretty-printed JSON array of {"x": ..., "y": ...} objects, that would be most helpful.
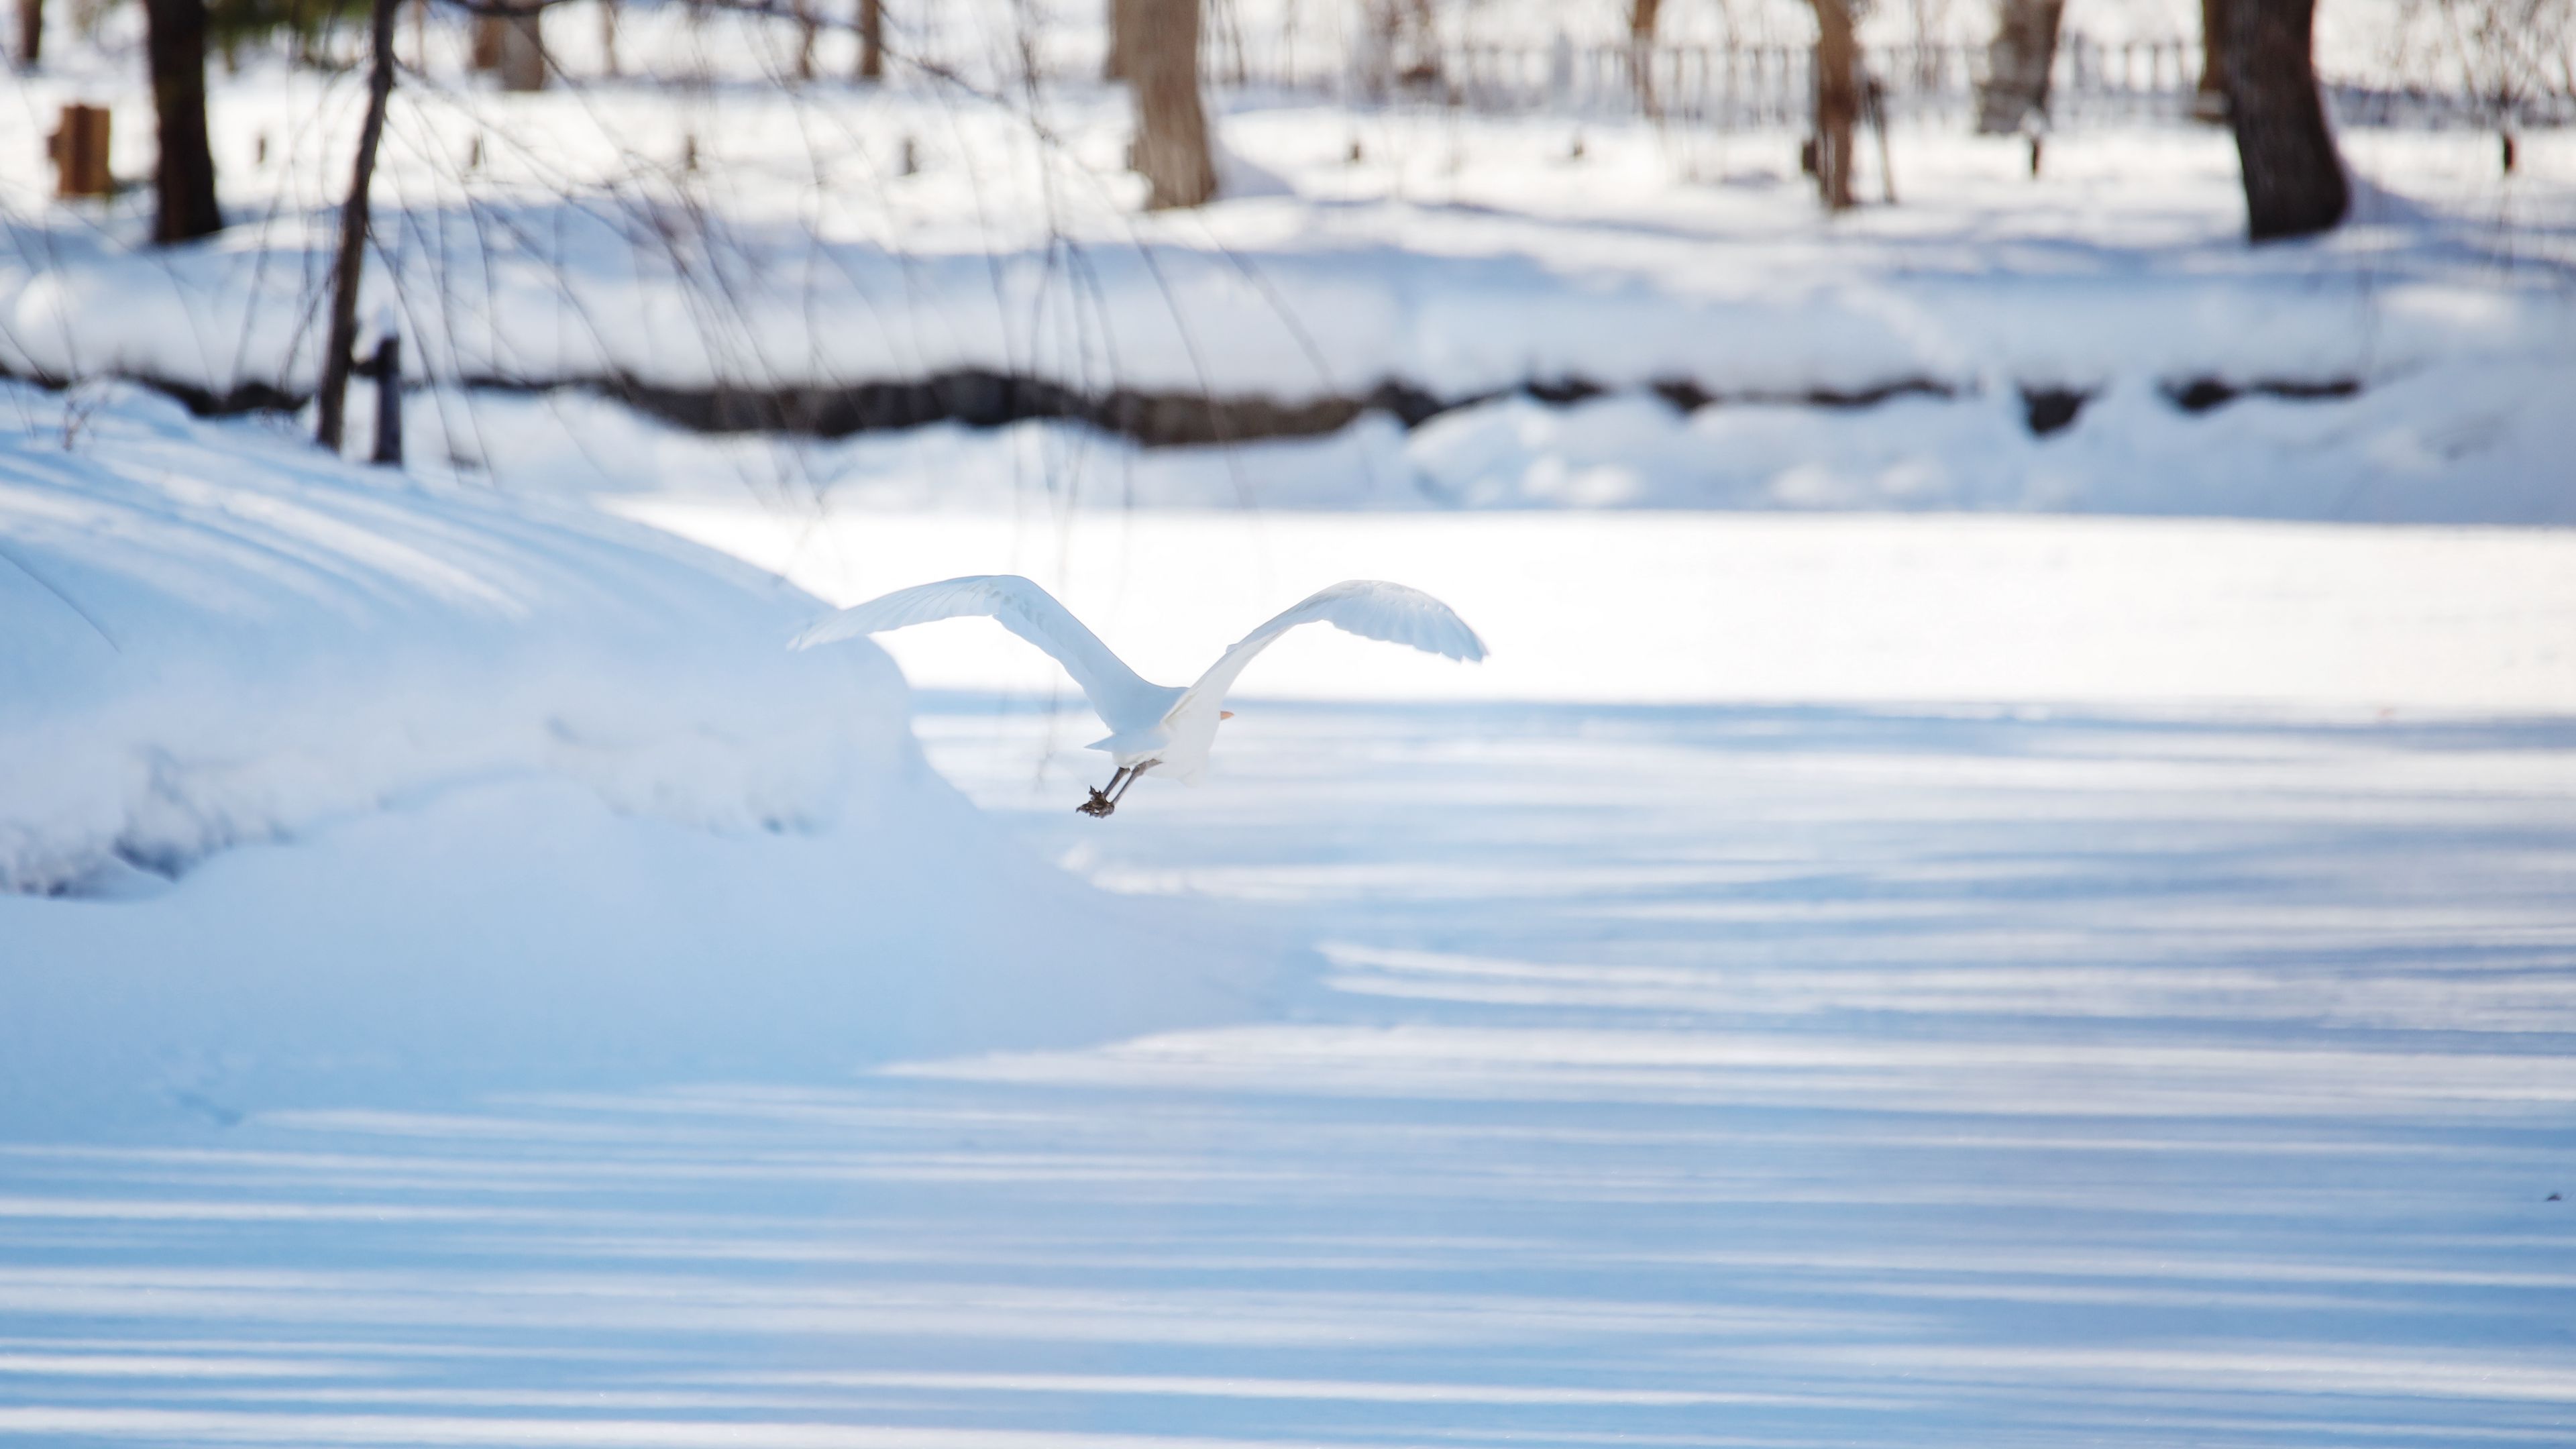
[{"x": 67, "y": 601}]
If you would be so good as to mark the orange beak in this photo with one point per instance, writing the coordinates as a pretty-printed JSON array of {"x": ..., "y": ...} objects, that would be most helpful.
[{"x": 1225, "y": 714}]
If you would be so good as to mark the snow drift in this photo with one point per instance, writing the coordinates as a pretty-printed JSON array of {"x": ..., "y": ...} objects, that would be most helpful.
[
  {"x": 219, "y": 646},
  {"x": 314, "y": 772}
]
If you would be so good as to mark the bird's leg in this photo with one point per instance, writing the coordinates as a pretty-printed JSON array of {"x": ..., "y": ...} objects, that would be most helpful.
[
  {"x": 1101, "y": 803},
  {"x": 1133, "y": 776}
]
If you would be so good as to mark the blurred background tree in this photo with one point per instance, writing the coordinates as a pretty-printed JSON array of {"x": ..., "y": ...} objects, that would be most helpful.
[
  {"x": 183, "y": 174},
  {"x": 2294, "y": 182}
]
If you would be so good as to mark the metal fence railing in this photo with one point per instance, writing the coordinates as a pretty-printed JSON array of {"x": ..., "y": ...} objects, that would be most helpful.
[{"x": 1771, "y": 85}]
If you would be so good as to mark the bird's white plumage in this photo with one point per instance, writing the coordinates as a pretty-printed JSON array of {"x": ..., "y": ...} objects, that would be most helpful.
[
  {"x": 1370, "y": 608},
  {"x": 1122, "y": 698},
  {"x": 1170, "y": 728}
]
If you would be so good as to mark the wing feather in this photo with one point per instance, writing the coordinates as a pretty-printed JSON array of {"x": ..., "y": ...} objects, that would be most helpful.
[
  {"x": 1370, "y": 608},
  {"x": 1121, "y": 697}
]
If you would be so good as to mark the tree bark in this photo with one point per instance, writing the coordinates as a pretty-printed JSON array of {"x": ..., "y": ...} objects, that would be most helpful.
[
  {"x": 2017, "y": 65},
  {"x": 184, "y": 175},
  {"x": 522, "y": 61},
  {"x": 2294, "y": 183},
  {"x": 1642, "y": 16},
  {"x": 332, "y": 398},
  {"x": 1162, "y": 62},
  {"x": 807, "y": 32},
  {"x": 871, "y": 40},
  {"x": 1113, "y": 59},
  {"x": 607, "y": 35},
  {"x": 31, "y": 33},
  {"x": 1837, "y": 84},
  {"x": 2209, "y": 99}
]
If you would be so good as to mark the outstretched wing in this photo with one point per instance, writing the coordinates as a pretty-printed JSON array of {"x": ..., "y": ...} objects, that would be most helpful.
[
  {"x": 1370, "y": 608},
  {"x": 1117, "y": 693}
]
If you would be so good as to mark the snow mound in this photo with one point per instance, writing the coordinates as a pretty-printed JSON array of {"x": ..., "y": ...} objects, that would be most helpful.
[
  {"x": 215, "y": 646},
  {"x": 322, "y": 785}
]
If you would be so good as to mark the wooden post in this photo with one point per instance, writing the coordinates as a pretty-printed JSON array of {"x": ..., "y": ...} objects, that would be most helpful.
[
  {"x": 386, "y": 369},
  {"x": 79, "y": 147}
]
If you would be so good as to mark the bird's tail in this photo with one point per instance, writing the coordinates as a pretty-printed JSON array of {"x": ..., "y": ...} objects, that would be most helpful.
[{"x": 1130, "y": 742}]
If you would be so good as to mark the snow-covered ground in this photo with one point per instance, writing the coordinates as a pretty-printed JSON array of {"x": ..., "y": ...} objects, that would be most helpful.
[
  {"x": 1684, "y": 1075},
  {"x": 2135, "y": 1008}
]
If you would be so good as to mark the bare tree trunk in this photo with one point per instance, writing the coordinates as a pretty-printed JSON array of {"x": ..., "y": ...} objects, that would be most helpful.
[
  {"x": 1162, "y": 63},
  {"x": 871, "y": 40},
  {"x": 607, "y": 34},
  {"x": 2294, "y": 184},
  {"x": 184, "y": 176},
  {"x": 522, "y": 61},
  {"x": 2017, "y": 65},
  {"x": 806, "y": 34},
  {"x": 31, "y": 33},
  {"x": 1642, "y": 15},
  {"x": 1113, "y": 60},
  {"x": 1837, "y": 82},
  {"x": 2209, "y": 99},
  {"x": 332, "y": 399}
]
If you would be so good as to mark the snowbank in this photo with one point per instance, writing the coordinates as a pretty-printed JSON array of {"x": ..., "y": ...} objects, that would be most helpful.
[
  {"x": 224, "y": 642},
  {"x": 315, "y": 774}
]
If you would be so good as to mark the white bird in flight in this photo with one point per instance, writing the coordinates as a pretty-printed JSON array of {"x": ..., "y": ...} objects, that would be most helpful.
[{"x": 1151, "y": 724}]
